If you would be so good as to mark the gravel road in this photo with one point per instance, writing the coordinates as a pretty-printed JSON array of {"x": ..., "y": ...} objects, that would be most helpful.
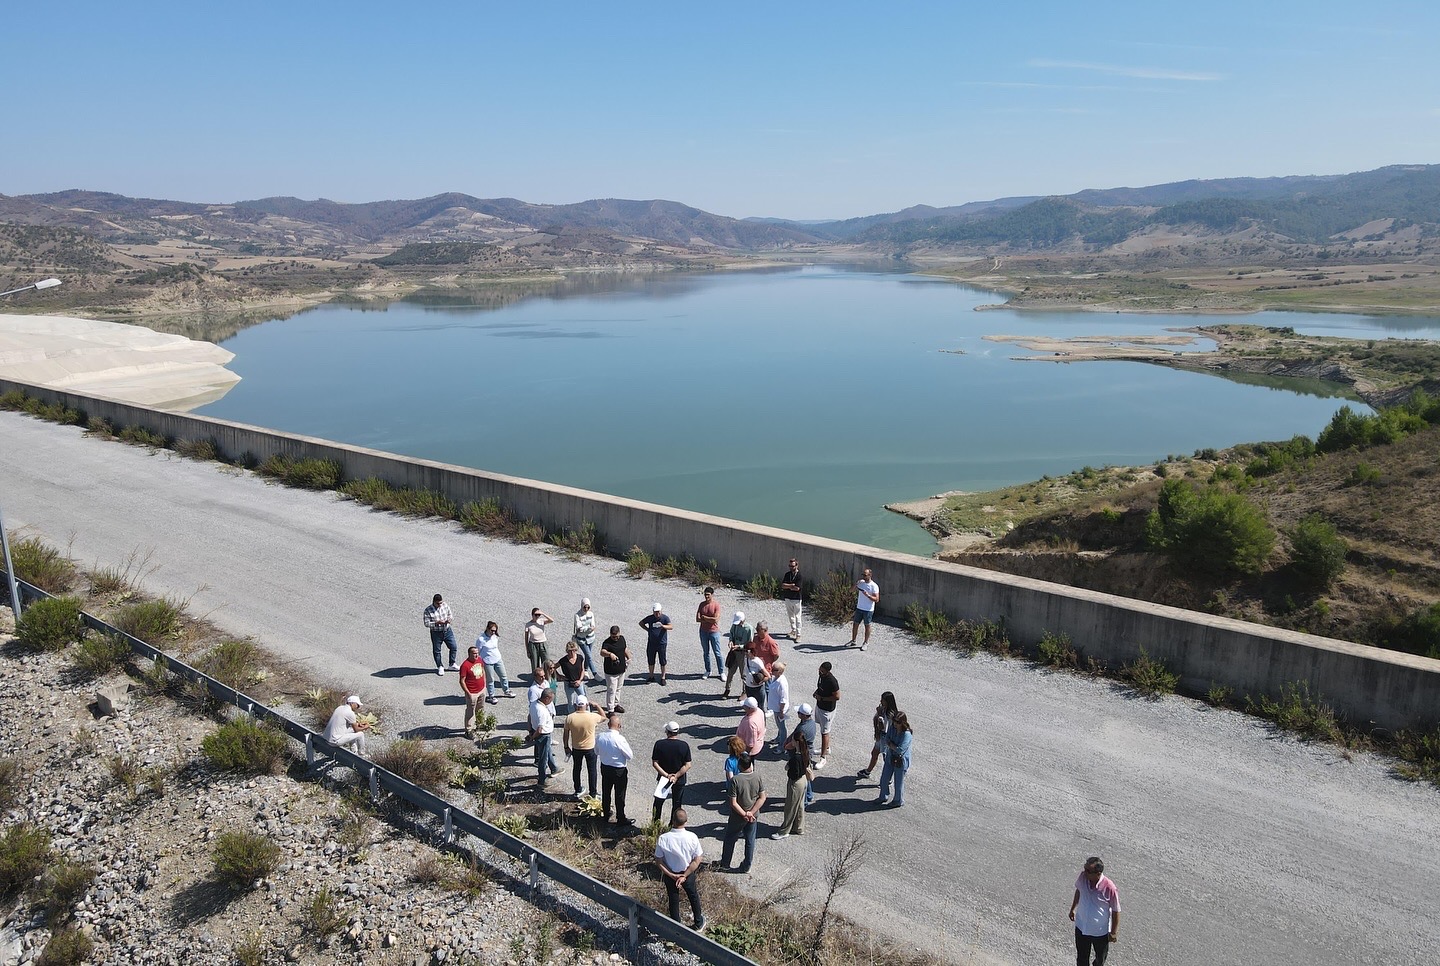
[{"x": 1229, "y": 843}]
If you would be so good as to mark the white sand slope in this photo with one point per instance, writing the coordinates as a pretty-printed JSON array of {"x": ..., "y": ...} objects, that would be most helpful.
[{"x": 126, "y": 362}]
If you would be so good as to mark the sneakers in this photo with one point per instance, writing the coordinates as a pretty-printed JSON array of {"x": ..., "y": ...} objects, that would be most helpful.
[
  {"x": 439, "y": 670},
  {"x": 491, "y": 700},
  {"x": 454, "y": 666},
  {"x": 509, "y": 695},
  {"x": 863, "y": 646},
  {"x": 882, "y": 799},
  {"x": 619, "y": 709},
  {"x": 777, "y": 836},
  {"x": 851, "y": 644},
  {"x": 700, "y": 926},
  {"x": 818, "y": 763},
  {"x": 863, "y": 773}
]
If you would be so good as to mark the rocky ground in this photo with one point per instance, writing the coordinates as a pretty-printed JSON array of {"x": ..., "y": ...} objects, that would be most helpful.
[{"x": 154, "y": 898}]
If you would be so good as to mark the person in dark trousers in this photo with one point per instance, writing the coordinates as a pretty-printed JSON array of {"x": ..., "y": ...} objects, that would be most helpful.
[
  {"x": 678, "y": 855},
  {"x": 438, "y": 618},
  {"x": 746, "y": 799},
  {"x": 614, "y": 752},
  {"x": 657, "y": 639},
  {"x": 1095, "y": 911},
  {"x": 671, "y": 760}
]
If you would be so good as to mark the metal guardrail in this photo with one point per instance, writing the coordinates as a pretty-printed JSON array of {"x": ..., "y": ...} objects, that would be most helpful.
[{"x": 454, "y": 819}]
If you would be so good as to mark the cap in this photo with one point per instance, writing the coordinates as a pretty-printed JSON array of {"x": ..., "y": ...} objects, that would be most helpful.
[
  {"x": 672, "y": 728},
  {"x": 751, "y": 703},
  {"x": 354, "y": 699},
  {"x": 584, "y": 601},
  {"x": 739, "y": 617},
  {"x": 657, "y": 606},
  {"x": 804, "y": 710},
  {"x": 581, "y": 701}
]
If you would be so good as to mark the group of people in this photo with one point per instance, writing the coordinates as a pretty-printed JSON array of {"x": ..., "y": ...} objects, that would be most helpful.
[{"x": 592, "y": 733}]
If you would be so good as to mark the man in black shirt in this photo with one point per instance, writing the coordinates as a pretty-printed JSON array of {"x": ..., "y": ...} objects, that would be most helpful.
[
  {"x": 827, "y": 696},
  {"x": 790, "y": 594},
  {"x": 671, "y": 760},
  {"x": 616, "y": 657}
]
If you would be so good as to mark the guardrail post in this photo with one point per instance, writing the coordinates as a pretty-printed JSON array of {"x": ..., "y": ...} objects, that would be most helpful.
[
  {"x": 374, "y": 785},
  {"x": 634, "y": 929},
  {"x": 309, "y": 752},
  {"x": 534, "y": 873},
  {"x": 449, "y": 834}
]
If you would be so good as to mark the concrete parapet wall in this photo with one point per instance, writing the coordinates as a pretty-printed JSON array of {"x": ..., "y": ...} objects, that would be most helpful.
[{"x": 1366, "y": 684}]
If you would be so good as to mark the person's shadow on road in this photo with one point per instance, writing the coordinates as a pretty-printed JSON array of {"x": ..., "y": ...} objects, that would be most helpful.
[{"x": 400, "y": 672}]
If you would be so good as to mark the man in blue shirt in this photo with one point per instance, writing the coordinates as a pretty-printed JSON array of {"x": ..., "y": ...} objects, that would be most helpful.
[{"x": 657, "y": 628}]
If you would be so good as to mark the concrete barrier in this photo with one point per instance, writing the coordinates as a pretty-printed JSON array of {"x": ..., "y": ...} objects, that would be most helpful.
[{"x": 1385, "y": 688}]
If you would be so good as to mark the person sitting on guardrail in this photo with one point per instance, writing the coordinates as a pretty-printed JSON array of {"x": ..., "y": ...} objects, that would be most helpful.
[
  {"x": 343, "y": 729},
  {"x": 678, "y": 854}
]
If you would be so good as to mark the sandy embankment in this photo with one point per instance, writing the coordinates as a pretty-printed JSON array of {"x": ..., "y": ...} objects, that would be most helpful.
[
  {"x": 923, "y": 513},
  {"x": 125, "y": 362}
]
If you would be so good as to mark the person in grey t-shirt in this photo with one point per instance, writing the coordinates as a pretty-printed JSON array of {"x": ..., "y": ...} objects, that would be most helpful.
[{"x": 746, "y": 799}]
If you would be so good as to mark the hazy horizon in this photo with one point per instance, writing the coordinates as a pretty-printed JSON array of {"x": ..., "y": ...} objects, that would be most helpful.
[{"x": 796, "y": 113}]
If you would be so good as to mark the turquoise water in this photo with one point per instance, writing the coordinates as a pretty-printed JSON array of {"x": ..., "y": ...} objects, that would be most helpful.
[{"x": 801, "y": 398}]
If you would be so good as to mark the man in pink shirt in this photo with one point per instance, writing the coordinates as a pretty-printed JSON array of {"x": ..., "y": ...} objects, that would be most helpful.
[
  {"x": 765, "y": 647},
  {"x": 752, "y": 727},
  {"x": 1095, "y": 911}
]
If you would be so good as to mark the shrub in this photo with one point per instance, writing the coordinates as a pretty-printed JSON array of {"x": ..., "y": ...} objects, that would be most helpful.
[
  {"x": 67, "y": 947},
  {"x": 12, "y": 779},
  {"x": 50, "y": 625},
  {"x": 638, "y": 563},
  {"x": 24, "y": 854},
  {"x": 150, "y": 620},
  {"x": 98, "y": 656},
  {"x": 1149, "y": 677},
  {"x": 38, "y": 563},
  {"x": 1363, "y": 474},
  {"x": 579, "y": 542},
  {"x": 833, "y": 600},
  {"x": 529, "y": 532},
  {"x": 198, "y": 449},
  {"x": 140, "y": 436},
  {"x": 309, "y": 474},
  {"x": 1298, "y": 711},
  {"x": 100, "y": 426},
  {"x": 250, "y": 950},
  {"x": 325, "y": 913},
  {"x": 516, "y": 825},
  {"x": 64, "y": 885},
  {"x": 321, "y": 702},
  {"x": 928, "y": 625},
  {"x": 403, "y": 500},
  {"x": 127, "y": 772},
  {"x": 243, "y": 745},
  {"x": 1214, "y": 531},
  {"x": 1317, "y": 551},
  {"x": 763, "y": 586},
  {"x": 1057, "y": 651},
  {"x": 1218, "y": 695},
  {"x": 414, "y": 762},
  {"x": 488, "y": 517},
  {"x": 235, "y": 664},
  {"x": 1419, "y": 755},
  {"x": 1418, "y": 632},
  {"x": 242, "y": 857}
]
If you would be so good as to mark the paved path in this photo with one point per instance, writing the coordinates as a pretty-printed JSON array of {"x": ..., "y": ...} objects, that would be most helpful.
[{"x": 1229, "y": 844}]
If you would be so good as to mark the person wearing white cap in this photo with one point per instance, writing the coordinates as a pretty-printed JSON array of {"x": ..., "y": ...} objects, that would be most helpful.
[
  {"x": 671, "y": 760},
  {"x": 751, "y": 729},
  {"x": 657, "y": 629},
  {"x": 740, "y": 635},
  {"x": 777, "y": 692},
  {"x": 343, "y": 729},
  {"x": 584, "y": 635},
  {"x": 806, "y": 730}
]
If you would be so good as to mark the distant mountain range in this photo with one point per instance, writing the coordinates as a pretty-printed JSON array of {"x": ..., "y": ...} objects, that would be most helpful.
[{"x": 1399, "y": 202}]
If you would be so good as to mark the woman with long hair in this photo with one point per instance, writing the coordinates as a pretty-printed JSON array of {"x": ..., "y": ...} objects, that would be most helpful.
[
  {"x": 898, "y": 739},
  {"x": 884, "y": 711}
]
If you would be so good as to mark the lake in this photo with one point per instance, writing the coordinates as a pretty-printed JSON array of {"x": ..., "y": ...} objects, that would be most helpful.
[{"x": 801, "y": 398}]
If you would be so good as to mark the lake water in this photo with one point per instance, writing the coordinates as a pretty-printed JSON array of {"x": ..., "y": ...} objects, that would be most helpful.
[{"x": 802, "y": 398}]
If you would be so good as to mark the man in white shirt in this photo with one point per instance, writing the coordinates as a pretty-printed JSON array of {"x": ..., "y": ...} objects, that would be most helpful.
[
  {"x": 1095, "y": 911},
  {"x": 343, "y": 729},
  {"x": 779, "y": 697},
  {"x": 678, "y": 855},
  {"x": 542, "y": 728},
  {"x": 615, "y": 754},
  {"x": 867, "y": 595}
]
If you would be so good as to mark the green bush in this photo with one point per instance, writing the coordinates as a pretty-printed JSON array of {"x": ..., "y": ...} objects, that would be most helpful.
[
  {"x": 1417, "y": 632},
  {"x": 99, "y": 655},
  {"x": 67, "y": 947},
  {"x": 1274, "y": 457},
  {"x": 763, "y": 586},
  {"x": 309, "y": 474},
  {"x": 243, "y": 745},
  {"x": 140, "y": 436},
  {"x": 206, "y": 450},
  {"x": 585, "y": 541},
  {"x": 50, "y": 625},
  {"x": 1350, "y": 430},
  {"x": 38, "y": 563},
  {"x": 24, "y": 854},
  {"x": 235, "y": 664},
  {"x": 64, "y": 885},
  {"x": 414, "y": 762},
  {"x": 1298, "y": 711},
  {"x": 1149, "y": 677},
  {"x": 928, "y": 625},
  {"x": 1213, "y": 531},
  {"x": 242, "y": 857},
  {"x": 403, "y": 500},
  {"x": 1419, "y": 754},
  {"x": 833, "y": 599},
  {"x": 638, "y": 563},
  {"x": 150, "y": 620},
  {"x": 325, "y": 913},
  {"x": 1363, "y": 474},
  {"x": 1317, "y": 551},
  {"x": 1056, "y": 650}
]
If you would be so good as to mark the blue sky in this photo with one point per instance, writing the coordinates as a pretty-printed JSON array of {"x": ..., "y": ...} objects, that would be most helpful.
[{"x": 800, "y": 110}]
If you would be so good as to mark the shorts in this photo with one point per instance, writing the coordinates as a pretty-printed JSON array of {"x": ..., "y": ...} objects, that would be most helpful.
[
  {"x": 879, "y": 748},
  {"x": 863, "y": 616},
  {"x": 654, "y": 651},
  {"x": 823, "y": 719}
]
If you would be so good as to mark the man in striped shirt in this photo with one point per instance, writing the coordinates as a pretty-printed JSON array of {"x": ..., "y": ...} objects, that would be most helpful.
[{"x": 437, "y": 618}]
